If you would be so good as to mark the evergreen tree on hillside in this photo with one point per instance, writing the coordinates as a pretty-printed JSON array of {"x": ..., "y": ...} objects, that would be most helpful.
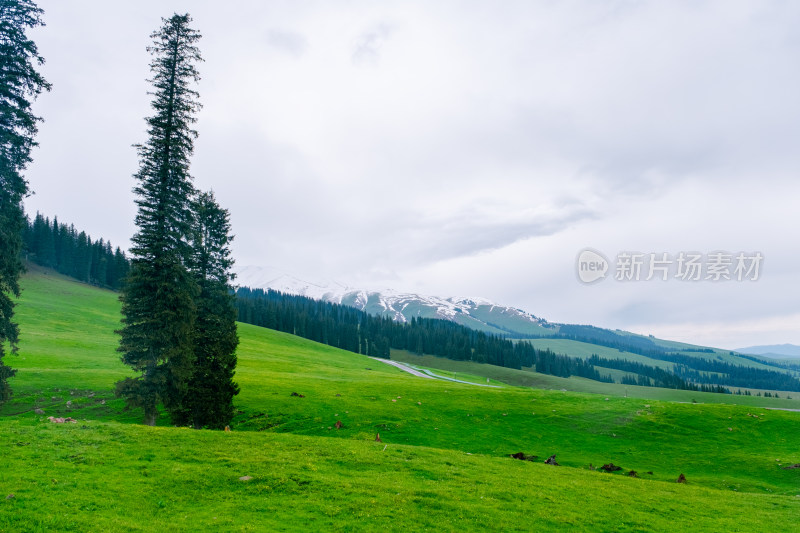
[
  {"x": 209, "y": 400},
  {"x": 121, "y": 268},
  {"x": 19, "y": 84},
  {"x": 158, "y": 299}
]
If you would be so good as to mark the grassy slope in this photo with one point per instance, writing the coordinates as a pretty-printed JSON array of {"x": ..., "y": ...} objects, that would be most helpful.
[
  {"x": 67, "y": 334},
  {"x": 718, "y": 354},
  {"x": 424, "y": 478},
  {"x": 585, "y": 350},
  {"x": 527, "y": 378},
  {"x": 105, "y": 477}
]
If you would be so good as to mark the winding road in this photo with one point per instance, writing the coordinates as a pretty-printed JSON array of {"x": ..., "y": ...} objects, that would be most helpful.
[
  {"x": 428, "y": 374},
  {"x": 403, "y": 367}
]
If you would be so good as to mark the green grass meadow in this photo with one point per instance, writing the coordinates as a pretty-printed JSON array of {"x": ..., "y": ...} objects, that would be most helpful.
[{"x": 443, "y": 463}]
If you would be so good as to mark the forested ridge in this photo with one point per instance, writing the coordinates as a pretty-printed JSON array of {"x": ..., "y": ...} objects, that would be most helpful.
[
  {"x": 72, "y": 252},
  {"x": 350, "y": 329}
]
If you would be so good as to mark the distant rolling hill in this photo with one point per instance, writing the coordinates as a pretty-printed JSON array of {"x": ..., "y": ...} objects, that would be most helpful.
[{"x": 775, "y": 351}]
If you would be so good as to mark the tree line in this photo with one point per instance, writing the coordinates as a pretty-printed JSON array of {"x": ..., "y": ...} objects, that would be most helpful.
[
  {"x": 713, "y": 371},
  {"x": 73, "y": 253},
  {"x": 652, "y": 376},
  {"x": 721, "y": 373}
]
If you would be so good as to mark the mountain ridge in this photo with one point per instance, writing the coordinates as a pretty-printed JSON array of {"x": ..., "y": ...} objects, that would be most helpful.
[
  {"x": 490, "y": 317},
  {"x": 775, "y": 351},
  {"x": 471, "y": 311}
]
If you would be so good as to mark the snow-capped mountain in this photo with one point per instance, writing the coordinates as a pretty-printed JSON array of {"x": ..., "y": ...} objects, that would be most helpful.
[{"x": 477, "y": 313}]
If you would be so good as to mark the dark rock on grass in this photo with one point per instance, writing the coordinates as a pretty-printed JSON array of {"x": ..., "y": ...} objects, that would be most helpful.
[
  {"x": 298, "y": 395},
  {"x": 632, "y": 473},
  {"x": 792, "y": 467},
  {"x": 522, "y": 457},
  {"x": 681, "y": 479},
  {"x": 551, "y": 461},
  {"x": 610, "y": 467},
  {"x": 649, "y": 473}
]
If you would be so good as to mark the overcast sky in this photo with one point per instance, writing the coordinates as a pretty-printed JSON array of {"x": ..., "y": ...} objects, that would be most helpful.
[{"x": 462, "y": 148}]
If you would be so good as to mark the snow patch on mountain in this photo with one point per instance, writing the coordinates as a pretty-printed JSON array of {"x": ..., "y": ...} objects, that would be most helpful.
[{"x": 401, "y": 306}]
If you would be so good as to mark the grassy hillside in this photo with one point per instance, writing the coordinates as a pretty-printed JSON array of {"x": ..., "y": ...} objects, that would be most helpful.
[
  {"x": 108, "y": 477},
  {"x": 67, "y": 335},
  {"x": 583, "y": 349},
  {"x": 443, "y": 462},
  {"x": 528, "y": 378}
]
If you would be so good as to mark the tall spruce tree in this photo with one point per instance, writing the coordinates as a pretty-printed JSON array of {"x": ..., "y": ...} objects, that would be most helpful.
[
  {"x": 209, "y": 400},
  {"x": 158, "y": 299},
  {"x": 19, "y": 84}
]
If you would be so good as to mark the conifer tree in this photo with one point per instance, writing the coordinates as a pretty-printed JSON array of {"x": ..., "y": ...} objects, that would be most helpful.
[
  {"x": 158, "y": 299},
  {"x": 209, "y": 400},
  {"x": 19, "y": 84}
]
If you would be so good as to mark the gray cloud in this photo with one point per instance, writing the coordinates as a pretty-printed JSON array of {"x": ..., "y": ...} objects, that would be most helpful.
[
  {"x": 471, "y": 232},
  {"x": 367, "y": 49},
  {"x": 488, "y": 147},
  {"x": 289, "y": 42}
]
